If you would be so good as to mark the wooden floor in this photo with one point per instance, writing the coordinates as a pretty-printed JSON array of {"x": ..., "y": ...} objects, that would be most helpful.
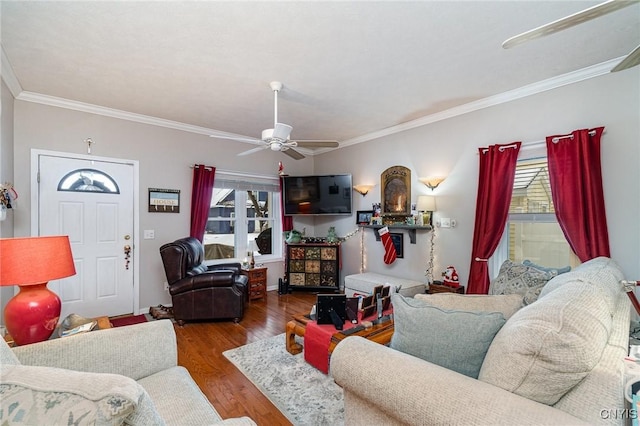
[{"x": 200, "y": 347}]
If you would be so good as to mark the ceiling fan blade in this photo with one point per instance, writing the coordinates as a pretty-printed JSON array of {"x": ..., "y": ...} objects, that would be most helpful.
[
  {"x": 292, "y": 153},
  {"x": 282, "y": 131},
  {"x": 239, "y": 139},
  {"x": 567, "y": 22},
  {"x": 630, "y": 61},
  {"x": 251, "y": 151},
  {"x": 308, "y": 143}
]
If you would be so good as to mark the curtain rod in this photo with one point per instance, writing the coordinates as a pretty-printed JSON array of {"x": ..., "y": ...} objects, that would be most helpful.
[
  {"x": 232, "y": 173},
  {"x": 541, "y": 143},
  {"x": 195, "y": 166}
]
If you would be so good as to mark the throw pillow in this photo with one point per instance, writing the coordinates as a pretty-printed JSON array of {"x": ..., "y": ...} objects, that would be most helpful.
[
  {"x": 506, "y": 304},
  {"x": 47, "y": 395},
  {"x": 457, "y": 340},
  {"x": 548, "y": 347},
  {"x": 518, "y": 278},
  {"x": 559, "y": 271}
]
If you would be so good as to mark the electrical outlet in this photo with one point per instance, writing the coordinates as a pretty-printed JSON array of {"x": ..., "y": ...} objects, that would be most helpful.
[
  {"x": 149, "y": 234},
  {"x": 445, "y": 222}
]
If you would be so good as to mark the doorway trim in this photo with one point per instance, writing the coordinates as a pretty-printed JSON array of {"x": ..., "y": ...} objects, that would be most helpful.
[{"x": 35, "y": 207}]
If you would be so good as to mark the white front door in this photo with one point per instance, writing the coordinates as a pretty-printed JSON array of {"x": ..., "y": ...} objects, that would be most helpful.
[{"x": 93, "y": 203}]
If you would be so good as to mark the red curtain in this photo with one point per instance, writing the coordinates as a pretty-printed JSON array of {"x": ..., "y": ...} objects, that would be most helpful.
[
  {"x": 575, "y": 176},
  {"x": 287, "y": 221},
  {"x": 495, "y": 187},
  {"x": 201, "y": 192}
]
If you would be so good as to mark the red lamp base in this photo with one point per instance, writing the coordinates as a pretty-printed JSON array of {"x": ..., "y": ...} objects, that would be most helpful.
[{"x": 32, "y": 315}]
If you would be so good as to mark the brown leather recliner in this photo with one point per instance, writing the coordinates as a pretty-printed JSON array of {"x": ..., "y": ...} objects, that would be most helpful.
[{"x": 199, "y": 292}]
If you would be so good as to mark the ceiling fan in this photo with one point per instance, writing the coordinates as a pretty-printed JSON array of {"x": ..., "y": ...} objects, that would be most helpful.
[
  {"x": 277, "y": 139},
  {"x": 596, "y": 11}
]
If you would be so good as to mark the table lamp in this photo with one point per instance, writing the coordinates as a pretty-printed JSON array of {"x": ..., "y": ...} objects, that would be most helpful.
[
  {"x": 30, "y": 263},
  {"x": 427, "y": 205}
]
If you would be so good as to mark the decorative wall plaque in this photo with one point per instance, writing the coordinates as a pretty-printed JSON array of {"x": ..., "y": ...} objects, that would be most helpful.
[{"x": 396, "y": 192}]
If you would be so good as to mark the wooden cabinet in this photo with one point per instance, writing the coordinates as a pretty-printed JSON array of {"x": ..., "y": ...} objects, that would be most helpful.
[
  {"x": 313, "y": 266},
  {"x": 257, "y": 282},
  {"x": 440, "y": 288}
]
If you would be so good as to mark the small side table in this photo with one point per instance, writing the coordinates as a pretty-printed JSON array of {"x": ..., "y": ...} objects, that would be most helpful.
[
  {"x": 103, "y": 323},
  {"x": 440, "y": 288},
  {"x": 257, "y": 282}
]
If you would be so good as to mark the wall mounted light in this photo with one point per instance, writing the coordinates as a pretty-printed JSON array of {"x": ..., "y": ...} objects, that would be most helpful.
[
  {"x": 432, "y": 182},
  {"x": 362, "y": 189}
]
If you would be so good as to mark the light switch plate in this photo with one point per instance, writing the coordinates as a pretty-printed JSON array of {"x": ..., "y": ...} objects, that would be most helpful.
[
  {"x": 149, "y": 234},
  {"x": 445, "y": 222}
]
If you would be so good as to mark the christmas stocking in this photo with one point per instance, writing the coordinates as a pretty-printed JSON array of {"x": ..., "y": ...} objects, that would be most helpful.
[{"x": 389, "y": 249}]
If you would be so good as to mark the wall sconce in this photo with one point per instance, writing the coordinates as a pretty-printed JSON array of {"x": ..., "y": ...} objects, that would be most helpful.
[
  {"x": 432, "y": 182},
  {"x": 362, "y": 189}
]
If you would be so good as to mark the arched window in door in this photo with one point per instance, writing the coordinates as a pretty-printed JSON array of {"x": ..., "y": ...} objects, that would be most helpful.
[{"x": 88, "y": 180}]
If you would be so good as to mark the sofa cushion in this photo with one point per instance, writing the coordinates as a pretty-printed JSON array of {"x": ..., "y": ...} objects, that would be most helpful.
[
  {"x": 518, "y": 278},
  {"x": 601, "y": 272},
  {"x": 506, "y": 304},
  {"x": 546, "y": 348},
  {"x": 457, "y": 340},
  {"x": 185, "y": 404},
  {"x": 47, "y": 395}
]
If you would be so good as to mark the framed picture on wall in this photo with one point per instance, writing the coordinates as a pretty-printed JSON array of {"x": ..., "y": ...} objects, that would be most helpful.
[
  {"x": 363, "y": 217},
  {"x": 398, "y": 242},
  {"x": 164, "y": 200}
]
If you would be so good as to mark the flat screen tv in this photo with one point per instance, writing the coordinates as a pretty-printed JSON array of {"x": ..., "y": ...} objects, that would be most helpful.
[{"x": 317, "y": 195}]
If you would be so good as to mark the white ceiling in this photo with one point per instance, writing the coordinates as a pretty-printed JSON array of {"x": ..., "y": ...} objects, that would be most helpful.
[{"x": 350, "y": 69}]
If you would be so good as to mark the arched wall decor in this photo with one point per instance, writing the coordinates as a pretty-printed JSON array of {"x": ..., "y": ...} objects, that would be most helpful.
[{"x": 395, "y": 187}]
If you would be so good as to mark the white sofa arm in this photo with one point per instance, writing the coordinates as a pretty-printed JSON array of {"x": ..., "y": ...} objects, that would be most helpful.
[
  {"x": 382, "y": 384},
  {"x": 135, "y": 351}
]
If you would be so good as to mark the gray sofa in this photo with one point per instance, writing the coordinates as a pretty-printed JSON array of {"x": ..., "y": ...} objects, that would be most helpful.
[
  {"x": 556, "y": 361},
  {"x": 125, "y": 375}
]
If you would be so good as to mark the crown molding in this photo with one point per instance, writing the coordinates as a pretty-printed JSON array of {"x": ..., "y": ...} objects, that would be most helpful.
[
  {"x": 521, "y": 92},
  {"x": 117, "y": 113},
  {"x": 531, "y": 89},
  {"x": 8, "y": 76}
]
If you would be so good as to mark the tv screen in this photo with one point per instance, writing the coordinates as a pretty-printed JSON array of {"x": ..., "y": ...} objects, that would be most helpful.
[{"x": 317, "y": 195}]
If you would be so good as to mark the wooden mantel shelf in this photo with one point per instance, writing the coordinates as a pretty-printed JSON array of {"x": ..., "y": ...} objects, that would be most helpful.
[{"x": 411, "y": 230}]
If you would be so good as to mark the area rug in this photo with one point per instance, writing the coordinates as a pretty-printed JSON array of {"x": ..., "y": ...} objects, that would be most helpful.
[
  {"x": 302, "y": 393},
  {"x": 128, "y": 320}
]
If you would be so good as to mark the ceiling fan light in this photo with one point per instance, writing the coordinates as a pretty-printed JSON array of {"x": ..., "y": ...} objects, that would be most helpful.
[
  {"x": 281, "y": 131},
  {"x": 267, "y": 134},
  {"x": 274, "y": 146}
]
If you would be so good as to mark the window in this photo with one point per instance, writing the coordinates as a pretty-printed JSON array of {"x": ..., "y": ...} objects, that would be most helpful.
[
  {"x": 88, "y": 180},
  {"x": 244, "y": 218},
  {"x": 532, "y": 230}
]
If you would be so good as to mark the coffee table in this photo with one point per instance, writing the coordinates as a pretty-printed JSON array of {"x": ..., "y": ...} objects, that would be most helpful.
[
  {"x": 296, "y": 327},
  {"x": 380, "y": 332}
]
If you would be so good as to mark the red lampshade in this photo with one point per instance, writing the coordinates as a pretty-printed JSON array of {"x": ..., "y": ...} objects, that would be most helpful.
[
  {"x": 32, "y": 315},
  {"x": 35, "y": 260}
]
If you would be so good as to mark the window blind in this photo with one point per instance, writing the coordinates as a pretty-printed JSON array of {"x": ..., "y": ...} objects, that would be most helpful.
[{"x": 531, "y": 189}]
